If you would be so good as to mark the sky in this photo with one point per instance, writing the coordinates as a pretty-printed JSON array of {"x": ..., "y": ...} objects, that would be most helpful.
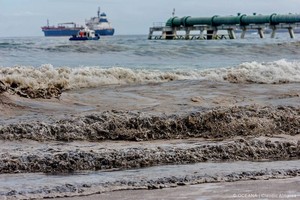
[{"x": 26, "y": 17}]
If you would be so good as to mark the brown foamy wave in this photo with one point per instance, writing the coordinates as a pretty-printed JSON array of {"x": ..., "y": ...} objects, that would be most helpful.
[
  {"x": 83, "y": 77},
  {"x": 48, "y": 81},
  {"x": 219, "y": 123},
  {"x": 276, "y": 72}
]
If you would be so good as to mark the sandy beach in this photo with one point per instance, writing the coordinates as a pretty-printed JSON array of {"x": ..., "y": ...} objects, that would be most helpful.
[
  {"x": 258, "y": 189},
  {"x": 202, "y": 136}
]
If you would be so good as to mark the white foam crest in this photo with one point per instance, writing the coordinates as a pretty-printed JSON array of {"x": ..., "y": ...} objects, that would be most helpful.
[
  {"x": 84, "y": 77},
  {"x": 280, "y": 71},
  {"x": 48, "y": 76}
]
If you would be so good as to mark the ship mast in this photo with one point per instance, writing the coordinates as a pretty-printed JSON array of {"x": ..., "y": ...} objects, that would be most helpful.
[{"x": 98, "y": 12}]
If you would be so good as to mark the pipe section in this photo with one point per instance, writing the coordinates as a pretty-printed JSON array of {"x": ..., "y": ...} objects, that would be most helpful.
[
  {"x": 277, "y": 19},
  {"x": 241, "y": 20},
  {"x": 217, "y": 21},
  {"x": 255, "y": 19}
]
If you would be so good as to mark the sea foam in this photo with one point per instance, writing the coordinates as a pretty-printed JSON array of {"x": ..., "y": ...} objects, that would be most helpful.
[
  {"x": 280, "y": 71},
  {"x": 46, "y": 76}
]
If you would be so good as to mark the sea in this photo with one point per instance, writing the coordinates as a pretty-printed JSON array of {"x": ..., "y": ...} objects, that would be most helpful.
[
  {"x": 86, "y": 117},
  {"x": 134, "y": 59}
]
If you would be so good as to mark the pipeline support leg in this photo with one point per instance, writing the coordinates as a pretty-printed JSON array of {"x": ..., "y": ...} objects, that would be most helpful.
[
  {"x": 201, "y": 35},
  {"x": 291, "y": 32},
  {"x": 215, "y": 34},
  {"x": 231, "y": 34},
  {"x": 187, "y": 34},
  {"x": 164, "y": 35},
  {"x": 273, "y": 32},
  {"x": 261, "y": 33},
  {"x": 243, "y": 33}
]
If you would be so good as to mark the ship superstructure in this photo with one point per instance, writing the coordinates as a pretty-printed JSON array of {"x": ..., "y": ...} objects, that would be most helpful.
[{"x": 100, "y": 24}]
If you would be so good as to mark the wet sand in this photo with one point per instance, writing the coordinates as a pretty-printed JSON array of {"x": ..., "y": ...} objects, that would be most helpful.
[
  {"x": 133, "y": 127},
  {"x": 258, "y": 189}
]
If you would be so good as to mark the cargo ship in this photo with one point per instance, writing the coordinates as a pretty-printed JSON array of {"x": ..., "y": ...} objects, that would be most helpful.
[{"x": 99, "y": 24}]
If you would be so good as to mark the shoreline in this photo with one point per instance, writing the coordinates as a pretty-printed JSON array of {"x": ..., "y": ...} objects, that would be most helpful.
[
  {"x": 259, "y": 189},
  {"x": 36, "y": 185},
  {"x": 147, "y": 137}
]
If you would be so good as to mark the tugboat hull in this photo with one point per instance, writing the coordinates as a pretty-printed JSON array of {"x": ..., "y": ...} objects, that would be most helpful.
[{"x": 83, "y": 38}]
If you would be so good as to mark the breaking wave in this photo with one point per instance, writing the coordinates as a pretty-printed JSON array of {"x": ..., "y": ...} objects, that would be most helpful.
[
  {"x": 66, "y": 78},
  {"x": 280, "y": 71}
]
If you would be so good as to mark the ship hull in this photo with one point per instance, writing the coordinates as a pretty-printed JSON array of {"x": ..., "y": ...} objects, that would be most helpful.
[
  {"x": 60, "y": 32},
  {"x": 105, "y": 32},
  {"x": 69, "y": 32}
]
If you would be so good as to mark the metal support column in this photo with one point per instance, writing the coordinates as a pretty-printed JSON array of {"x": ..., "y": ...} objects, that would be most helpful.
[
  {"x": 291, "y": 32},
  {"x": 187, "y": 34},
  {"x": 231, "y": 34},
  {"x": 164, "y": 35},
  {"x": 273, "y": 32},
  {"x": 243, "y": 32},
  {"x": 201, "y": 34},
  {"x": 261, "y": 33},
  {"x": 215, "y": 34}
]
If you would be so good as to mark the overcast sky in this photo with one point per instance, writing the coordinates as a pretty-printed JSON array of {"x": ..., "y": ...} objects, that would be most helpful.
[{"x": 25, "y": 17}]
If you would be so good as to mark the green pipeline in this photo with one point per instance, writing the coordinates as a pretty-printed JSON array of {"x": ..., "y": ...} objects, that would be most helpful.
[{"x": 242, "y": 20}]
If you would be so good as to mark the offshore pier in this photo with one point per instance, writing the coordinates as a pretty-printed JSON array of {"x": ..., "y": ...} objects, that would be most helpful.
[{"x": 209, "y": 28}]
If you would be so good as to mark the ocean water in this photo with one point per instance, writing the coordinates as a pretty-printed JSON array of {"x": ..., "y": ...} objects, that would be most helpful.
[
  {"x": 40, "y": 61},
  {"x": 69, "y": 106}
]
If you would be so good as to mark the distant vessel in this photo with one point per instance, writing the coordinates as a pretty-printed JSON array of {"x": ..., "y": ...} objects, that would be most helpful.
[
  {"x": 63, "y": 29},
  {"x": 99, "y": 24},
  {"x": 85, "y": 34}
]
